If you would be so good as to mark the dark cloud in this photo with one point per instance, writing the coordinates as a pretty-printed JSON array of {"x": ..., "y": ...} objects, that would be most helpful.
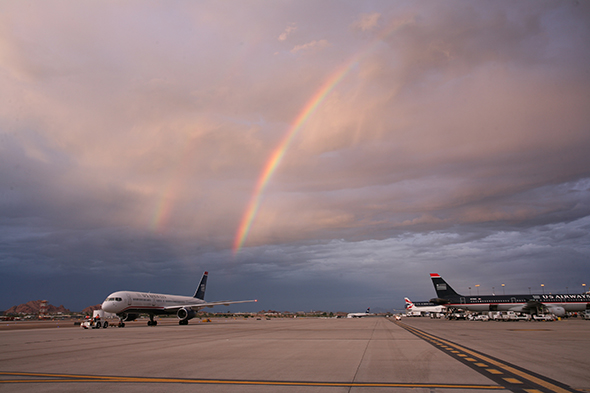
[{"x": 132, "y": 137}]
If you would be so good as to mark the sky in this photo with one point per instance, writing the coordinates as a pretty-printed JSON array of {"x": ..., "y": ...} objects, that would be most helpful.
[{"x": 314, "y": 155}]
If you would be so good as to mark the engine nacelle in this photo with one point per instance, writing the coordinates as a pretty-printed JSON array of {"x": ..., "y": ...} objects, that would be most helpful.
[
  {"x": 184, "y": 314},
  {"x": 558, "y": 311},
  {"x": 128, "y": 317}
]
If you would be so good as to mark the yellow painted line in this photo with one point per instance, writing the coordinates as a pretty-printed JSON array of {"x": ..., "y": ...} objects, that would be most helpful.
[
  {"x": 532, "y": 390},
  {"x": 455, "y": 351},
  {"x": 522, "y": 374},
  {"x": 494, "y": 371},
  {"x": 462, "y": 355},
  {"x": 470, "y": 359},
  {"x": 60, "y": 378},
  {"x": 511, "y": 380},
  {"x": 481, "y": 365}
]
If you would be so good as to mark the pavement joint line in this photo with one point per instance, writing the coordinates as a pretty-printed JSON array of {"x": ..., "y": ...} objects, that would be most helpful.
[
  {"x": 504, "y": 366},
  {"x": 115, "y": 379}
]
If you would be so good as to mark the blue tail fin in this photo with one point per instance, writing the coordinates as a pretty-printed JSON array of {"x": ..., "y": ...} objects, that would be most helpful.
[
  {"x": 200, "y": 293},
  {"x": 443, "y": 290}
]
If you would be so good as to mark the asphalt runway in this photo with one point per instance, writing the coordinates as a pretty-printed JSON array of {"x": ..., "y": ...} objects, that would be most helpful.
[{"x": 415, "y": 355}]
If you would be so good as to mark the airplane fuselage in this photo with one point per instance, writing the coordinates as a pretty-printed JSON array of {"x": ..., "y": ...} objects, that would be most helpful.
[{"x": 146, "y": 303}]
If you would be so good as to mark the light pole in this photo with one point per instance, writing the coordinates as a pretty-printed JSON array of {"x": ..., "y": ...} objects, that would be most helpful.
[
  {"x": 494, "y": 291},
  {"x": 469, "y": 291},
  {"x": 503, "y": 290},
  {"x": 583, "y": 288},
  {"x": 543, "y": 286},
  {"x": 477, "y": 287}
]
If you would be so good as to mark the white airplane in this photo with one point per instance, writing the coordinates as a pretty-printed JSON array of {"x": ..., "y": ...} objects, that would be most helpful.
[
  {"x": 422, "y": 307},
  {"x": 129, "y": 305},
  {"x": 359, "y": 314}
]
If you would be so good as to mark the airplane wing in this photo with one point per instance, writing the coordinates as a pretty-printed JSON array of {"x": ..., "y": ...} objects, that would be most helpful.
[
  {"x": 532, "y": 305},
  {"x": 209, "y": 304}
]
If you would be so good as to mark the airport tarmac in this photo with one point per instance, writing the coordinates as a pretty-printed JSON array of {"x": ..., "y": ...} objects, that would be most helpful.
[{"x": 301, "y": 355}]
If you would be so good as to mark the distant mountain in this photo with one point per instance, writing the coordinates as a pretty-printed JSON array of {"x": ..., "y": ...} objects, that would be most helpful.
[
  {"x": 33, "y": 307},
  {"x": 89, "y": 310}
]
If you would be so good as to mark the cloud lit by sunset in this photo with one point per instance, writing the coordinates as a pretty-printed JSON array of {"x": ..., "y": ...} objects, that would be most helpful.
[{"x": 139, "y": 143}]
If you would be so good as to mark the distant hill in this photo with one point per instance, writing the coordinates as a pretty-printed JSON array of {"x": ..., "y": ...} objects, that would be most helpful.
[
  {"x": 89, "y": 310},
  {"x": 33, "y": 307}
]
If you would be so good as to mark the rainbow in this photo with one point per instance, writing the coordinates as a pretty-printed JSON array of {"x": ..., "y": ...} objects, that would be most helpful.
[
  {"x": 277, "y": 155},
  {"x": 310, "y": 107}
]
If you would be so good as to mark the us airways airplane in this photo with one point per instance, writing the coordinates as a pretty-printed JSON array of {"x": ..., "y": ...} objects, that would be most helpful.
[
  {"x": 557, "y": 304},
  {"x": 129, "y": 305},
  {"x": 423, "y": 306}
]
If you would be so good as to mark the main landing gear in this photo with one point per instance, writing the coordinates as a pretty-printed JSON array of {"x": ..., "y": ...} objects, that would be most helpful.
[
  {"x": 151, "y": 322},
  {"x": 183, "y": 322}
]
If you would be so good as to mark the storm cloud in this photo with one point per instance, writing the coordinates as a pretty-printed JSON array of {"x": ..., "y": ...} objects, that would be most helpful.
[{"x": 132, "y": 137}]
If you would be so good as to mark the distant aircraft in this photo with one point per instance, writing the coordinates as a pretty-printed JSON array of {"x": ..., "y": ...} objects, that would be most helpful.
[
  {"x": 359, "y": 314},
  {"x": 129, "y": 305},
  {"x": 557, "y": 304},
  {"x": 422, "y": 307}
]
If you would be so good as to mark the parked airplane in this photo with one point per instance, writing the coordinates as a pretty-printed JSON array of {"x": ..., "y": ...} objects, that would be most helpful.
[
  {"x": 359, "y": 314},
  {"x": 129, "y": 305},
  {"x": 422, "y": 307},
  {"x": 557, "y": 304}
]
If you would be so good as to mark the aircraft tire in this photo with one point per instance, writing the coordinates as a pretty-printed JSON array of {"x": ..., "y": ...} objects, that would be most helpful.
[{"x": 105, "y": 324}]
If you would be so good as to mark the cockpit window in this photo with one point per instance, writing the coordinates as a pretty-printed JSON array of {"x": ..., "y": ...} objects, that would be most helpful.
[{"x": 114, "y": 299}]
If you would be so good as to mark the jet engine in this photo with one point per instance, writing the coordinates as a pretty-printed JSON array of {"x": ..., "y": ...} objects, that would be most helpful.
[
  {"x": 184, "y": 314},
  {"x": 128, "y": 317},
  {"x": 557, "y": 310}
]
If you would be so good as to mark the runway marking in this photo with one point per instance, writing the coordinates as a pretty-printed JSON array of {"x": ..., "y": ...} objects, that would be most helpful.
[
  {"x": 534, "y": 382},
  {"x": 60, "y": 378}
]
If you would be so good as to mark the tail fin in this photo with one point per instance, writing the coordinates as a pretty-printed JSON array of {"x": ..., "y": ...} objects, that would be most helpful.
[
  {"x": 443, "y": 290},
  {"x": 368, "y": 310},
  {"x": 200, "y": 293},
  {"x": 409, "y": 303}
]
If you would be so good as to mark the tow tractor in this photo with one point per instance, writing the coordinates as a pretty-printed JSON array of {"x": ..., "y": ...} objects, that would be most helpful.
[{"x": 95, "y": 322}]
